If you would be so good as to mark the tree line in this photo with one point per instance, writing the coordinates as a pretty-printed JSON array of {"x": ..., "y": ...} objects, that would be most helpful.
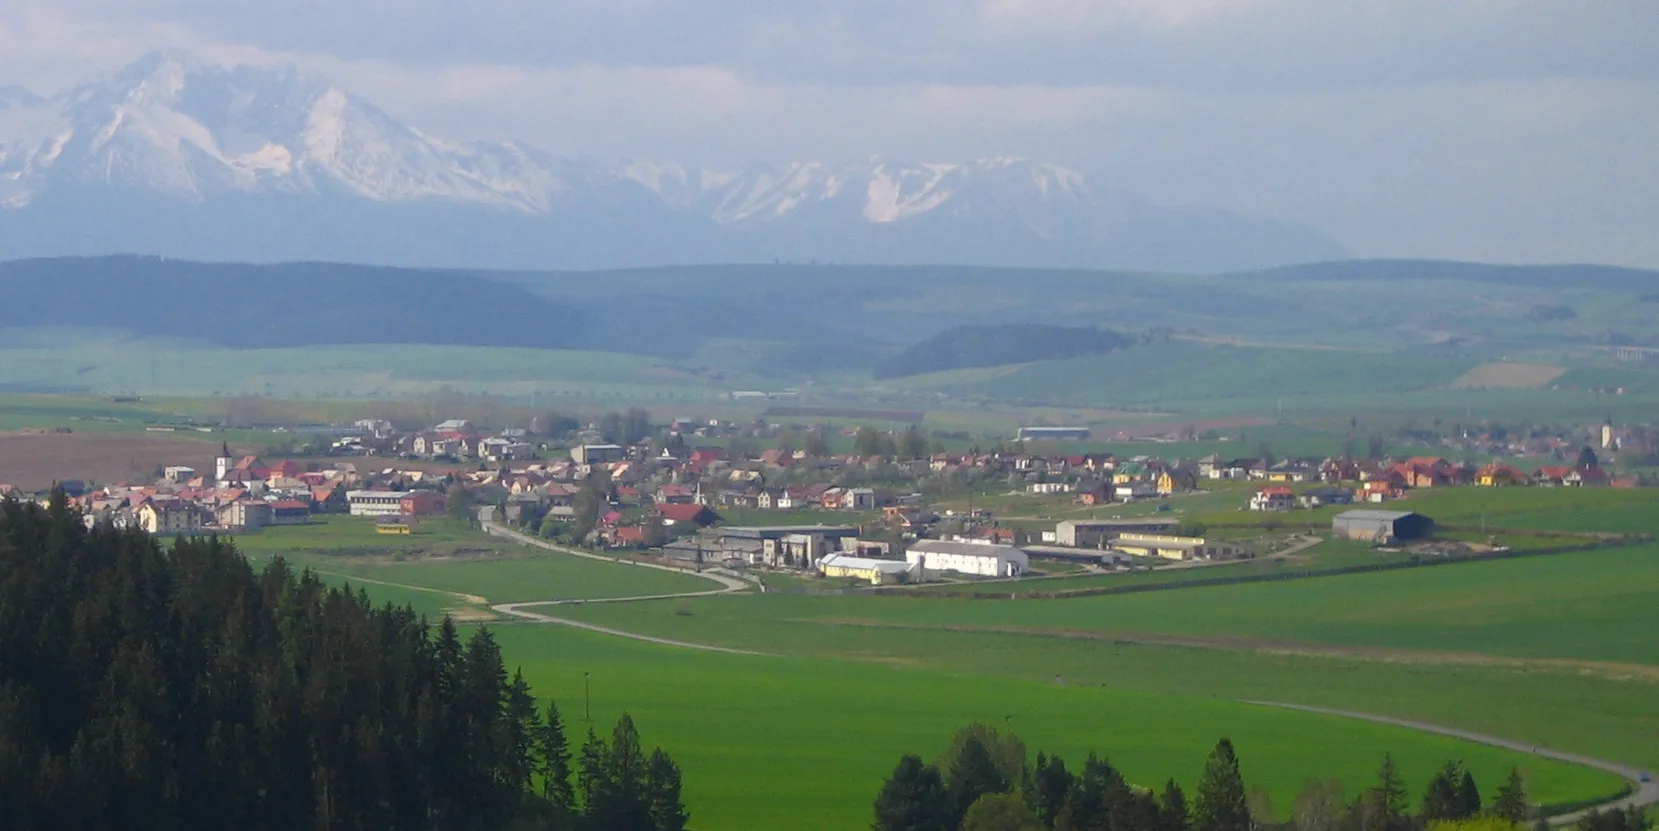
[
  {"x": 985, "y": 782},
  {"x": 151, "y": 687}
]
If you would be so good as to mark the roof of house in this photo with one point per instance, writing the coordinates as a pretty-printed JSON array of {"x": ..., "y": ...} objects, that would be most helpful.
[{"x": 682, "y": 513}]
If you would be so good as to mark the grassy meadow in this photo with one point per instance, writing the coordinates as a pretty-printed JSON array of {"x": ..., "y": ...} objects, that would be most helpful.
[{"x": 803, "y": 743}]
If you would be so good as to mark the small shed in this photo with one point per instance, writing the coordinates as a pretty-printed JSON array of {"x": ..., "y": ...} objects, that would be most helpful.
[{"x": 1383, "y": 527}]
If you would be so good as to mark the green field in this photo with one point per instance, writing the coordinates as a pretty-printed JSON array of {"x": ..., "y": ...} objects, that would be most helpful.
[
  {"x": 799, "y": 743},
  {"x": 450, "y": 568},
  {"x": 1588, "y": 606}
]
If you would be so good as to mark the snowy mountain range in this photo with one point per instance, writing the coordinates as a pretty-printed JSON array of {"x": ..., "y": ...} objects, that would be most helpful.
[{"x": 178, "y": 157}]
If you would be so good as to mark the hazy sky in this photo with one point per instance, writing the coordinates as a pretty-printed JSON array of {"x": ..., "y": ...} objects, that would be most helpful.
[{"x": 1506, "y": 130}]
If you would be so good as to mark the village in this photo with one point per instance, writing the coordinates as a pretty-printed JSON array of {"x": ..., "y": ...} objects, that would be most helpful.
[{"x": 692, "y": 494}]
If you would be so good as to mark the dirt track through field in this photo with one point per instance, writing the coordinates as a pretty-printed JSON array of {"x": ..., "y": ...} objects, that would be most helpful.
[
  {"x": 1643, "y": 793},
  {"x": 474, "y": 611},
  {"x": 727, "y": 583},
  {"x": 1605, "y": 669}
]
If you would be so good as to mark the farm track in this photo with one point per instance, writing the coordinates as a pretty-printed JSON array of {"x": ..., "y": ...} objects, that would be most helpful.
[
  {"x": 1642, "y": 794},
  {"x": 518, "y": 610},
  {"x": 1611, "y": 670}
]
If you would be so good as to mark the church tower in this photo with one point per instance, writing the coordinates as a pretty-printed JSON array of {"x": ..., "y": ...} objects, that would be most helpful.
[{"x": 223, "y": 464}]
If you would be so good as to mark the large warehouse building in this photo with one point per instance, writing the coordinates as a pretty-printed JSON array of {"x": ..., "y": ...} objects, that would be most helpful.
[
  {"x": 1099, "y": 533},
  {"x": 967, "y": 558},
  {"x": 1382, "y": 527}
]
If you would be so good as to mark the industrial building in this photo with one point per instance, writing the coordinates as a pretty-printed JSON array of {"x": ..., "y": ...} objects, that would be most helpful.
[
  {"x": 1053, "y": 434},
  {"x": 1173, "y": 548},
  {"x": 1381, "y": 527},
  {"x": 1099, "y": 533},
  {"x": 876, "y": 572},
  {"x": 782, "y": 546},
  {"x": 596, "y": 454},
  {"x": 967, "y": 558},
  {"x": 394, "y": 503}
]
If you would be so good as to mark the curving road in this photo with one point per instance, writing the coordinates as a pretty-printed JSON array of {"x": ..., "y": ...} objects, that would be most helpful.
[
  {"x": 728, "y": 584},
  {"x": 1643, "y": 795}
]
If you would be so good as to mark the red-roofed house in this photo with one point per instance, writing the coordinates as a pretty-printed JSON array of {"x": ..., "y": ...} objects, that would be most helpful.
[
  {"x": 1498, "y": 475},
  {"x": 290, "y": 512},
  {"x": 1273, "y": 498},
  {"x": 699, "y": 515}
]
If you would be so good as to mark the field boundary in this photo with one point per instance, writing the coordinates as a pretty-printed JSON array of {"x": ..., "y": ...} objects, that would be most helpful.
[{"x": 1638, "y": 794}]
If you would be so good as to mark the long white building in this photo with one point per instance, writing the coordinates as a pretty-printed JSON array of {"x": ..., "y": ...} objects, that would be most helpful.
[{"x": 985, "y": 560}]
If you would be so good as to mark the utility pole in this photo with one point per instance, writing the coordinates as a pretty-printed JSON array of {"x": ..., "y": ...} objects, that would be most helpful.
[{"x": 587, "y": 697}]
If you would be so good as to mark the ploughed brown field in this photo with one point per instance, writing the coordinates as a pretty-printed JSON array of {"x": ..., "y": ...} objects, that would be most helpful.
[{"x": 34, "y": 461}]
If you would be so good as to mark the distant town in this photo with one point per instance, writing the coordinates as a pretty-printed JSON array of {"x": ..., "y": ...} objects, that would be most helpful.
[{"x": 704, "y": 492}]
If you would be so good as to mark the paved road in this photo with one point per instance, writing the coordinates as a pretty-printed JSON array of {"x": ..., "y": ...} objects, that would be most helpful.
[
  {"x": 1645, "y": 793},
  {"x": 727, "y": 583}
]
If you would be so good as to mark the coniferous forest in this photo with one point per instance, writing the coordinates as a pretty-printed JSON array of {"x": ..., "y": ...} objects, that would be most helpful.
[
  {"x": 985, "y": 782},
  {"x": 145, "y": 686}
]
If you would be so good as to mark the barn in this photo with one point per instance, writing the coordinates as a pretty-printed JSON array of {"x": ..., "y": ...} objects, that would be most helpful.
[
  {"x": 985, "y": 560},
  {"x": 1385, "y": 527}
]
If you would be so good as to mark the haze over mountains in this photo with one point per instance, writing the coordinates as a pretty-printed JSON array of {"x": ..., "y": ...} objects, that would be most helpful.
[{"x": 176, "y": 157}]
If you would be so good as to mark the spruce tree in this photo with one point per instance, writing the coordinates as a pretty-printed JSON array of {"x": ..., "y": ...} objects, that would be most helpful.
[
  {"x": 912, "y": 799},
  {"x": 553, "y": 752},
  {"x": 1385, "y": 804},
  {"x": 1468, "y": 797},
  {"x": 1442, "y": 799},
  {"x": 1511, "y": 801},
  {"x": 1173, "y": 814},
  {"x": 973, "y": 774},
  {"x": 1221, "y": 803},
  {"x": 664, "y": 808},
  {"x": 1050, "y": 784}
]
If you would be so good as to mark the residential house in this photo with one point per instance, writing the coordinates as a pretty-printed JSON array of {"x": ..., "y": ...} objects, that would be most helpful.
[
  {"x": 246, "y": 515},
  {"x": 1499, "y": 475},
  {"x": 698, "y": 515},
  {"x": 1049, "y": 487},
  {"x": 1094, "y": 492},
  {"x": 1273, "y": 498},
  {"x": 290, "y": 512},
  {"x": 1320, "y": 497},
  {"x": 164, "y": 517}
]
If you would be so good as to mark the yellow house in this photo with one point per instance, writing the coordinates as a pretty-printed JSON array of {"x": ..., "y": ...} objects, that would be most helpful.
[{"x": 1493, "y": 476}]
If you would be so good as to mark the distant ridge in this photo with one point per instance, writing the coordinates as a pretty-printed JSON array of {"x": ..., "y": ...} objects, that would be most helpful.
[{"x": 1567, "y": 275}]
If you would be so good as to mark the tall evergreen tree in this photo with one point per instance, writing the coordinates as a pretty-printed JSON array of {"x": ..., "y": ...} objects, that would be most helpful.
[
  {"x": 1468, "y": 796},
  {"x": 1511, "y": 801},
  {"x": 664, "y": 808},
  {"x": 1442, "y": 799},
  {"x": 1385, "y": 803},
  {"x": 1221, "y": 803},
  {"x": 973, "y": 774},
  {"x": 553, "y": 750},
  {"x": 1050, "y": 784},
  {"x": 1173, "y": 814},
  {"x": 913, "y": 799}
]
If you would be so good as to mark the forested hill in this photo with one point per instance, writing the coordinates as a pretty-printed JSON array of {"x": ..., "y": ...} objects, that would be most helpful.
[
  {"x": 964, "y": 347},
  {"x": 295, "y": 304},
  {"x": 143, "y": 688}
]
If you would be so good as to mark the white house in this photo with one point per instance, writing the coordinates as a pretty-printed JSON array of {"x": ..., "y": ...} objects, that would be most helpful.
[
  {"x": 1049, "y": 487},
  {"x": 983, "y": 559}
]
